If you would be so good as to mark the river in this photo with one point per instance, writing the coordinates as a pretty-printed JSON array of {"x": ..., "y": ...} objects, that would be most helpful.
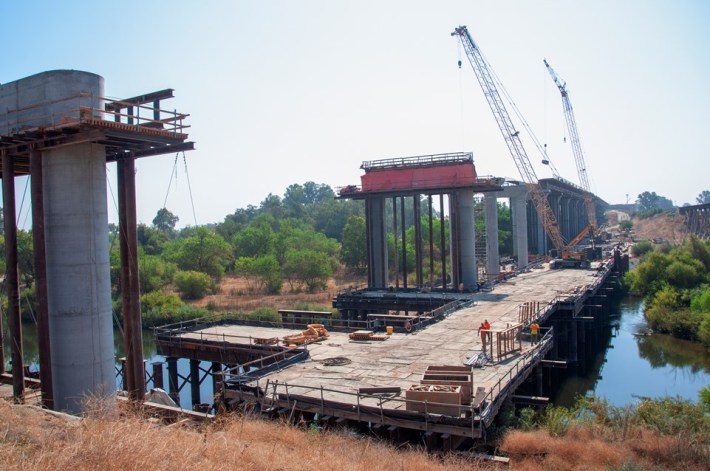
[{"x": 626, "y": 368}]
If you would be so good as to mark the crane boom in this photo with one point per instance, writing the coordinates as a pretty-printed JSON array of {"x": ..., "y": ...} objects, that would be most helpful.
[
  {"x": 511, "y": 137},
  {"x": 576, "y": 145}
]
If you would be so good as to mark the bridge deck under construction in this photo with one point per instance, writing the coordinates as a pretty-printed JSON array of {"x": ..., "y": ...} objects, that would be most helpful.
[{"x": 367, "y": 381}]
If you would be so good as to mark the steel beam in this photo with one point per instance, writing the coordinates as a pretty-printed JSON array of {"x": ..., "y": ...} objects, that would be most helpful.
[
  {"x": 40, "y": 266},
  {"x": 130, "y": 286},
  {"x": 12, "y": 283}
]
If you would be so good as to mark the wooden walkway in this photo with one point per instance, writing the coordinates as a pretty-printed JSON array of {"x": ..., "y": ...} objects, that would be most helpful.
[{"x": 328, "y": 383}]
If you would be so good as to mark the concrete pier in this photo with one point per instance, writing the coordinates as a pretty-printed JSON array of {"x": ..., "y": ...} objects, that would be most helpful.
[
  {"x": 492, "y": 249},
  {"x": 467, "y": 239},
  {"x": 78, "y": 274}
]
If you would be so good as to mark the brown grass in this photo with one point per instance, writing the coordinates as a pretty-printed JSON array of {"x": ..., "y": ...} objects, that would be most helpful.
[
  {"x": 234, "y": 295},
  {"x": 593, "y": 447},
  {"x": 30, "y": 439},
  {"x": 664, "y": 226}
]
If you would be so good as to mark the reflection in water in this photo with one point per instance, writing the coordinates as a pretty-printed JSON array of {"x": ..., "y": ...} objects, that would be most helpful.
[
  {"x": 628, "y": 365},
  {"x": 663, "y": 350}
]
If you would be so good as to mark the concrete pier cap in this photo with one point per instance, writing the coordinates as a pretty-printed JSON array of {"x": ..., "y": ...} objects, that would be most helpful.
[
  {"x": 44, "y": 99},
  {"x": 76, "y": 228}
]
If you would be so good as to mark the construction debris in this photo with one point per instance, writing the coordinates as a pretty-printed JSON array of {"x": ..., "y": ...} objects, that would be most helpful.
[
  {"x": 367, "y": 335},
  {"x": 313, "y": 333},
  {"x": 479, "y": 360}
]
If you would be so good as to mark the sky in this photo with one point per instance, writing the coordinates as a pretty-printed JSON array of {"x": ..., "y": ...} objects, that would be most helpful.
[{"x": 283, "y": 92}]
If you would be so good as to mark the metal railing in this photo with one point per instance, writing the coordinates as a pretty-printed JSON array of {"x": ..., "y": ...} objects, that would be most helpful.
[
  {"x": 419, "y": 161},
  {"x": 86, "y": 108},
  {"x": 497, "y": 393}
]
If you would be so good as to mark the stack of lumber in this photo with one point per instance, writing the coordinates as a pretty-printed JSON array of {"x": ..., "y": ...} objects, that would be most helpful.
[
  {"x": 313, "y": 333},
  {"x": 366, "y": 335}
]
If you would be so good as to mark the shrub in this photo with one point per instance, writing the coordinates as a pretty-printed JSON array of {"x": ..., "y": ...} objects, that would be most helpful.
[
  {"x": 641, "y": 248},
  {"x": 266, "y": 314},
  {"x": 193, "y": 284},
  {"x": 626, "y": 224}
]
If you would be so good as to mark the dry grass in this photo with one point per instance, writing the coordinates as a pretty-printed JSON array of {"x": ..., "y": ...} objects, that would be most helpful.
[
  {"x": 30, "y": 439},
  {"x": 592, "y": 447},
  {"x": 661, "y": 226},
  {"x": 235, "y": 295}
]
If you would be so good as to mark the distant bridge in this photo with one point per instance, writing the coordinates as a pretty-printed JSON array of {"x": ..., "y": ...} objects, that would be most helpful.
[{"x": 697, "y": 219}]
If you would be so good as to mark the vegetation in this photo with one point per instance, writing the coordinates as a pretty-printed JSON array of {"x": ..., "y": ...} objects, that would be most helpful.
[
  {"x": 703, "y": 197},
  {"x": 664, "y": 433},
  {"x": 676, "y": 288},
  {"x": 626, "y": 225}
]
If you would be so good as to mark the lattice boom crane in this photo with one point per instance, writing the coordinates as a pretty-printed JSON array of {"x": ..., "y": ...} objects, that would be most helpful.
[
  {"x": 576, "y": 146},
  {"x": 511, "y": 137}
]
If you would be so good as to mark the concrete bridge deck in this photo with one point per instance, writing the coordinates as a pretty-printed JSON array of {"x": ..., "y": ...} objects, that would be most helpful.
[{"x": 402, "y": 359}]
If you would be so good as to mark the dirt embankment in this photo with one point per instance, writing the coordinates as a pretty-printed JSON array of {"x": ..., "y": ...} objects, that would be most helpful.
[{"x": 666, "y": 226}]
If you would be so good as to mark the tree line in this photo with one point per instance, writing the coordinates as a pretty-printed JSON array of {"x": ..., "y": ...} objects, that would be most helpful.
[
  {"x": 293, "y": 242},
  {"x": 675, "y": 283}
]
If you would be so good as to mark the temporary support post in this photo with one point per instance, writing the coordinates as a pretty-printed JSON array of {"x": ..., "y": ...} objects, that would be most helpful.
[
  {"x": 573, "y": 341},
  {"x": 40, "y": 266},
  {"x": 431, "y": 243},
  {"x": 173, "y": 379},
  {"x": 216, "y": 370},
  {"x": 404, "y": 246},
  {"x": 396, "y": 249},
  {"x": 130, "y": 287},
  {"x": 12, "y": 277},
  {"x": 158, "y": 374},
  {"x": 418, "y": 252},
  {"x": 195, "y": 381},
  {"x": 442, "y": 242}
]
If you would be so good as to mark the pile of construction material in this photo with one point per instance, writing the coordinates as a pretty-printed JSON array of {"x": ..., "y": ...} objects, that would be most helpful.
[
  {"x": 448, "y": 386},
  {"x": 366, "y": 335},
  {"x": 313, "y": 333}
]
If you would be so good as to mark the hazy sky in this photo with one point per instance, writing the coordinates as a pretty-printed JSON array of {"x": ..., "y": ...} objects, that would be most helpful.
[{"x": 285, "y": 92}]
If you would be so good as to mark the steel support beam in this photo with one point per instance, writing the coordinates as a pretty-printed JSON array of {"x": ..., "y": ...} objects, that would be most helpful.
[
  {"x": 12, "y": 283},
  {"x": 130, "y": 287},
  {"x": 40, "y": 266}
]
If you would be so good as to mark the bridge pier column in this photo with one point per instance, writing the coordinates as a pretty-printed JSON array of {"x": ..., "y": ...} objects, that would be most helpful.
[
  {"x": 467, "y": 239},
  {"x": 520, "y": 232},
  {"x": 492, "y": 249},
  {"x": 377, "y": 246}
]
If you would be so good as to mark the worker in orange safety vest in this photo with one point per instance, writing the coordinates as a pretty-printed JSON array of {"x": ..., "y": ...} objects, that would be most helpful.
[{"x": 534, "y": 331}]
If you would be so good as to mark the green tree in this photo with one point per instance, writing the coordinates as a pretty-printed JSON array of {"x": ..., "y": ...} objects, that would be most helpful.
[
  {"x": 151, "y": 239},
  {"x": 165, "y": 221},
  {"x": 262, "y": 272},
  {"x": 155, "y": 272},
  {"x": 257, "y": 239},
  {"x": 193, "y": 284},
  {"x": 353, "y": 251},
  {"x": 307, "y": 267},
  {"x": 626, "y": 225},
  {"x": 703, "y": 197},
  {"x": 205, "y": 252}
]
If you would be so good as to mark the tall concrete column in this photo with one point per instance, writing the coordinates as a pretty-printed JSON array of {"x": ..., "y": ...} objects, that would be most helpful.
[
  {"x": 467, "y": 239},
  {"x": 492, "y": 249},
  {"x": 377, "y": 237},
  {"x": 520, "y": 231},
  {"x": 78, "y": 278}
]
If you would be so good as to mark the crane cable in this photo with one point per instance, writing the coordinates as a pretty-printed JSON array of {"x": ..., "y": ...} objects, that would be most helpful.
[
  {"x": 174, "y": 174},
  {"x": 520, "y": 116}
]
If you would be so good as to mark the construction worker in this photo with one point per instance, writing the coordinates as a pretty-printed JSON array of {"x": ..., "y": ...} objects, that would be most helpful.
[
  {"x": 483, "y": 331},
  {"x": 534, "y": 331}
]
